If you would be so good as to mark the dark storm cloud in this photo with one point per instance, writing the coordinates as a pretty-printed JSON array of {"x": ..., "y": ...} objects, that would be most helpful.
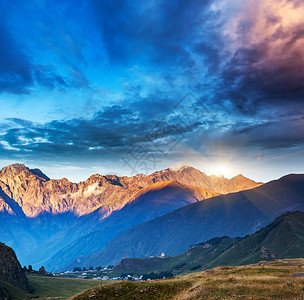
[
  {"x": 113, "y": 129},
  {"x": 273, "y": 134},
  {"x": 249, "y": 76},
  {"x": 266, "y": 66},
  {"x": 118, "y": 130},
  {"x": 252, "y": 78}
]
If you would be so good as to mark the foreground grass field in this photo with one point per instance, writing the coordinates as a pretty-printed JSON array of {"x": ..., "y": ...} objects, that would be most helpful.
[
  {"x": 59, "y": 288},
  {"x": 266, "y": 280},
  {"x": 280, "y": 279}
]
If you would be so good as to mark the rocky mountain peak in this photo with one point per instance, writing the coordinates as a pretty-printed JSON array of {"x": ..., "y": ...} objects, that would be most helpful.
[
  {"x": 239, "y": 177},
  {"x": 183, "y": 168},
  {"x": 13, "y": 170}
]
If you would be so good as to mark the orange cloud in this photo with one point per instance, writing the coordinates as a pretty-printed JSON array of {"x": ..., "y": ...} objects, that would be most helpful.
[{"x": 276, "y": 24}]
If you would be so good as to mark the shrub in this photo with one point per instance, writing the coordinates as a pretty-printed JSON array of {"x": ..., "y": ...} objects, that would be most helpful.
[{"x": 196, "y": 267}]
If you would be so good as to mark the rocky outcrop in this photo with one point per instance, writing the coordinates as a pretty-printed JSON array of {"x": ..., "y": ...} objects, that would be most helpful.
[
  {"x": 10, "y": 269},
  {"x": 266, "y": 254}
]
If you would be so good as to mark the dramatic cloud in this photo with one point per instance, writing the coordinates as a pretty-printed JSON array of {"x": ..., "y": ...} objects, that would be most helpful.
[
  {"x": 110, "y": 78},
  {"x": 266, "y": 42}
]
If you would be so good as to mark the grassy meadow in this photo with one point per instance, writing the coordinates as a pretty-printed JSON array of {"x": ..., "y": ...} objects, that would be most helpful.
[{"x": 266, "y": 280}]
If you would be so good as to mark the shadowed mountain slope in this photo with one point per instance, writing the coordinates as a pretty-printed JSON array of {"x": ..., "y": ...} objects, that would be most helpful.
[
  {"x": 151, "y": 202},
  {"x": 283, "y": 238}
]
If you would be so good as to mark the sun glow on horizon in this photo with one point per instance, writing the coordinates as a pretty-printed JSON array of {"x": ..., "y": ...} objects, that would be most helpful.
[{"x": 222, "y": 169}]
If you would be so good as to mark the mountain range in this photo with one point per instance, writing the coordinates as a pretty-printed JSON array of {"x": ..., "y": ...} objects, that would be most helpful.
[
  {"x": 235, "y": 215},
  {"x": 152, "y": 201},
  {"x": 36, "y": 194},
  {"x": 43, "y": 218}
]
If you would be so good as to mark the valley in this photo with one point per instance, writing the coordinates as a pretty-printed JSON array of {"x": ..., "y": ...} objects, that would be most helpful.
[{"x": 163, "y": 234}]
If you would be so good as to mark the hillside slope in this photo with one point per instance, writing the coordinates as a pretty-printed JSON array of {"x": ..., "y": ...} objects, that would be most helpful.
[
  {"x": 235, "y": 214},
  {"x": 196, "y": 257},
  {"x": 11, "y": 271},
  {"x": 283, "y": 238}
]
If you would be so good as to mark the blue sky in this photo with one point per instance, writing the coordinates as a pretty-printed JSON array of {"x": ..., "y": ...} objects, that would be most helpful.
[{"x": 131, "y": 87}]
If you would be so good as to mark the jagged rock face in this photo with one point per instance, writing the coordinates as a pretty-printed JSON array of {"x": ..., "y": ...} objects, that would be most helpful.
[
  {"x": 4, "y": 207},
  {"x": 10, "y": 269},
  {"x": 35, "y": 194}
]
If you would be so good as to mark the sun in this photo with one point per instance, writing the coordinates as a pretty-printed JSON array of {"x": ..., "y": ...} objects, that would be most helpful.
[{"x": 221, "y": 169}]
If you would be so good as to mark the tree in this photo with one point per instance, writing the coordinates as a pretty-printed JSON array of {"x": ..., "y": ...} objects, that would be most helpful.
[
  {"x": 77, "y": 269},
  {"x": 165, "y": 274},
  {"x": 91, "y": 268},
  {"x": 84, "y": 269},
  {"x": 25, "y": 269},
  {"x": 42, "y": 271},
  {"x": 30, "y": 268},
  {"x": 152, "y": 275}
]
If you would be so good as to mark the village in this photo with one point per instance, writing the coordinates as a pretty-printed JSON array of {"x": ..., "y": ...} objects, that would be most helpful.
[
  {"x": 100, "y": 273},
  {"x": 95, "y": 275}
]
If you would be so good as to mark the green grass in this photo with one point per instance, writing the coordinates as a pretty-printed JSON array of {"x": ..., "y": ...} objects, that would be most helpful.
[
  {"x": 265, "y": 280},
  {"x": 61, "y": 288},
  {"x": 15, "y": 292}
]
